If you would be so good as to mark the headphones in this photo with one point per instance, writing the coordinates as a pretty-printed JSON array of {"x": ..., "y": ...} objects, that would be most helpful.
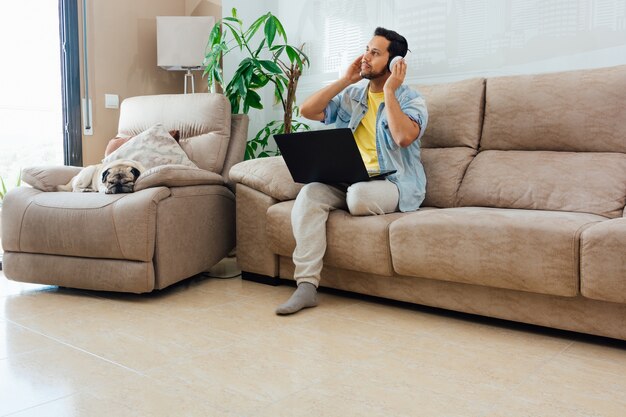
[{"x": 393, "y": 61}]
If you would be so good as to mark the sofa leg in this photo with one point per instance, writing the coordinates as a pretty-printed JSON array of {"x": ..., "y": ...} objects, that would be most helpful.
[{"x": 263, "y": 279}]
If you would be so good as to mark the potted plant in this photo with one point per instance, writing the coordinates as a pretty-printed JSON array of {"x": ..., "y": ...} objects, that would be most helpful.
[{"x": 269, "y": 60}]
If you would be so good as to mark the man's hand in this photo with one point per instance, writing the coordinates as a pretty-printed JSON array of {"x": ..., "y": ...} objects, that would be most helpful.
[
  {"x": 313, "y": 107},
  {"x": 395, "y": 80},
  {"x": 353, "y": 73},
  {"x": 404, "y": 130}
]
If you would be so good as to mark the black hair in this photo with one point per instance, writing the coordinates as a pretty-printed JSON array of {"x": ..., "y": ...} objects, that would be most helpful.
[{"x": 398, "y": 46}]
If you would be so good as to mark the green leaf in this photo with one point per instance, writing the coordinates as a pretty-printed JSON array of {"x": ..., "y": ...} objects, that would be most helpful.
[
  {"x": 231, "y": 19},
  {"x": 258, "y": 50},
  {"x": 270, "y": 30},
  {"x": 237, "y": 37},
  {"x": 302, "y": 56},
  {"x": 241, "y": 86},
  {"x": 233, "y": 12},
  {"x": 4, "y": 188},
  {"x": 258, "y": 80},
  {"x": 215, "y": 36},
  {"x": 217, "y": 74},
  {"x": 279, "y": 28},
  {"x": 293, "y": 55},
  {"x": 254, "y": 27},
  {"x": 277, "y": 51},
  {"x": 253, "y": 100},
  {"x": 271, "y": 66}
]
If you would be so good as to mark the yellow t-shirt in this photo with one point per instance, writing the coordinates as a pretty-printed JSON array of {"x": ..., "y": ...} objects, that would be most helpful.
[{"x": 365, "y": 133}]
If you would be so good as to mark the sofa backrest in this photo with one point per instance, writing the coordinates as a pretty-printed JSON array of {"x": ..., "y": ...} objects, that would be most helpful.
[
  {"x": 204, "y": 122},
  {"x": 552, "y": 142},
  {"x": 451, "y": 139}
]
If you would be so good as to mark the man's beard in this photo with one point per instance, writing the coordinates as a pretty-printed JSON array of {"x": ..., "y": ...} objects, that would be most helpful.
[{"x": 373, "y": 75}]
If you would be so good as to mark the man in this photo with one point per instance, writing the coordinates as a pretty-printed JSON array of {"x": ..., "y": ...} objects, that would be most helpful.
[{"x": 387, "y": 119}]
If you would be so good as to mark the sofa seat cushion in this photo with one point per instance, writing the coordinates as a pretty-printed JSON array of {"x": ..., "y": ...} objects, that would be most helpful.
[
  {"x": 603, "y": 264},
  {"x": 90, "y": 225},
  {"x": 359, "y": 243},
  {"x": 526, "y": 250}
]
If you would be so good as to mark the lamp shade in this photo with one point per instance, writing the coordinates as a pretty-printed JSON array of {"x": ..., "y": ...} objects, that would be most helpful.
[{"x": 181, "y": 41}]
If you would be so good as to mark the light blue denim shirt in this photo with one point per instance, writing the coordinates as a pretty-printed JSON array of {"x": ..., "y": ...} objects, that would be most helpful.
[{"x": 348, "y": 108}]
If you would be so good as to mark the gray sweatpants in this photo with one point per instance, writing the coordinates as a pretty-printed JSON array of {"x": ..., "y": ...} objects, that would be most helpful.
[{"x": 310, "y": 213}]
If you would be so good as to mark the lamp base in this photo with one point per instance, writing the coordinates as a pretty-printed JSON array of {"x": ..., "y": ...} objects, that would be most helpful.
[{"x": 189, "y": 75}]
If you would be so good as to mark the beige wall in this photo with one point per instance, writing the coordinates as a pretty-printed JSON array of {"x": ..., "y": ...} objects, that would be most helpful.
[
  {"x": 121, "y": 36},
  {"x": 204, "y": 8}
]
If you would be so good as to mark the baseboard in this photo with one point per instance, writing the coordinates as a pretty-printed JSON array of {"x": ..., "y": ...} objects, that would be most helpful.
[{"x": 262, "y": 279}]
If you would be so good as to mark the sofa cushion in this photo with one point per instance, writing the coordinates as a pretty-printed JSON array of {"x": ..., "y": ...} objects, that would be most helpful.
[
  {"x": 203, "y": 121},
  {"x": 359, "y": 243},
  {"x": 603, "y": 264},
  {"x": 176, "y": 176},
  {"x": 47, "y": 178},
  {"x": 526, "y": 250},
  {"x": 455, "y": 113},
  {"x": 90, "y": 225},
  {"x": 566, "y": 111},
  {"x": 568, "y": 181},
  {"x": 445, "y": 168}
]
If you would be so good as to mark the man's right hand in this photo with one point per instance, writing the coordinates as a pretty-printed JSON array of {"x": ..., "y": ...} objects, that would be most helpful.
[
  {"x": 314, "y": 106},
  {"x": 353, "y": 73}
]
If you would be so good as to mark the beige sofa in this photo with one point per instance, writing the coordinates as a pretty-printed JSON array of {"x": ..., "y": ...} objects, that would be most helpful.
[
  {"x": 179, "y": 222},
  {"x": 523, "y": 218}
]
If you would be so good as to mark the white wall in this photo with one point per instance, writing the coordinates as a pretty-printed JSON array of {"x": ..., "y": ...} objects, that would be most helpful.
[
  {"x": 248, "y": 11},
  {"x": 450, "y": 39},
  {"x": 458, "y": 39}
]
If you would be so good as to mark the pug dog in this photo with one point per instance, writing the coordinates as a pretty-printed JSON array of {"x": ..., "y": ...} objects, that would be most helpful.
[{"x": 113, "y": 178}]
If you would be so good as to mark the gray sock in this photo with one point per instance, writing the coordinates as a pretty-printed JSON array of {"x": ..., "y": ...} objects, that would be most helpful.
[{"x": 304, "y": 296}]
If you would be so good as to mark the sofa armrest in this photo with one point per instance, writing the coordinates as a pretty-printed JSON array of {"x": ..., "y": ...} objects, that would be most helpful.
[
  {"x": 176, "y": 176},
  {"x": 602, "y": 264},
  {"x": 267, "y": 175},
  {"x": 47, "y": 178}
]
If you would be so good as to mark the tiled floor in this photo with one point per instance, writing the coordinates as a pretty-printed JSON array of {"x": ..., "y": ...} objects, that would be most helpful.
[{"x": 212, "y": 347}]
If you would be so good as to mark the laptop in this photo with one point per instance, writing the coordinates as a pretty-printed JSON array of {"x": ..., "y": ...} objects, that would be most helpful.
[{"x": 328, "y": 156}]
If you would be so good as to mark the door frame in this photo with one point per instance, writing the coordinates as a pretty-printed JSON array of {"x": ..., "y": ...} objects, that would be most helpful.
[{"x": 70, "y": 83}]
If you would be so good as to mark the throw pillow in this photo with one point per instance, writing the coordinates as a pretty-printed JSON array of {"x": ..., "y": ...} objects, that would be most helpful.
[
  {"x": 120, "y": 139},
  {"x": 152, "y": 147}
]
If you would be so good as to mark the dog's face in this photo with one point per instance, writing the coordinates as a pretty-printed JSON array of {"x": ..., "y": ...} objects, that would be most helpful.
[{"x": 120, "y": 177}]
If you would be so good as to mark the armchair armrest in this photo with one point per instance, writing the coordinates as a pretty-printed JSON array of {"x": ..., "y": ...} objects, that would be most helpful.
[
  {"x": 176, "y": 176},
  {"x": 46, "y": 178},
  {"x": 267, "y": 175}
]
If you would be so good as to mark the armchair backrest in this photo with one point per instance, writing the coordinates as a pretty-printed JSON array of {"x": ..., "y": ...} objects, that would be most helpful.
[{"x": 212, "y": 139}]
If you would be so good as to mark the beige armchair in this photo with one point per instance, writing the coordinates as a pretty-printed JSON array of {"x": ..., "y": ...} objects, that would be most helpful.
[{"x": 179, "y": 221}]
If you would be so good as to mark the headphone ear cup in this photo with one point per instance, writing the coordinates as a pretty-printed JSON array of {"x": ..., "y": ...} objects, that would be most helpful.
[{"x": 394, "y": 61}]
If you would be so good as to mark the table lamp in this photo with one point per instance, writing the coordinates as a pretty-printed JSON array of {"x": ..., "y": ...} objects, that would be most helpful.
[{"x": 181, "y": 43}]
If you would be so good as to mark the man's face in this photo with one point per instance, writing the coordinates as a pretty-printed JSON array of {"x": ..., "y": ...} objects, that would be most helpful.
[{"x": 374, "y": 61}]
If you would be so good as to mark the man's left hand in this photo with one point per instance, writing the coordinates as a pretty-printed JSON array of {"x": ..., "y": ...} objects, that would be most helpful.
[{"x": 398, "y": 72}]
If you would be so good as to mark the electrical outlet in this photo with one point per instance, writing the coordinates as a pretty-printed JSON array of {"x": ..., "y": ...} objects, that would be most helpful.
[{"x": 111, "y": 101}]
